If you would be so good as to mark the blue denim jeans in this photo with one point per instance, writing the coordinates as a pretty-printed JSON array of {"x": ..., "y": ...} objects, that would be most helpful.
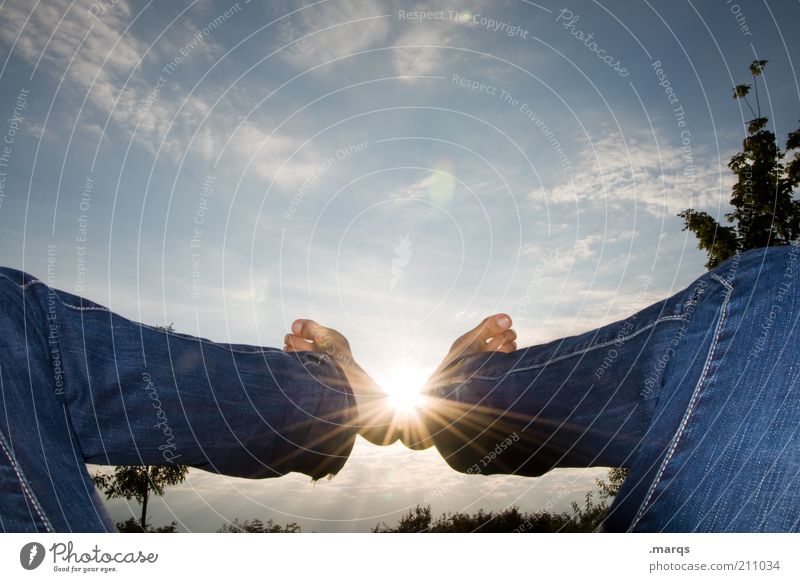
[
  {"x": 80, "y": 384},
  {"x": 697, "y": 395}
]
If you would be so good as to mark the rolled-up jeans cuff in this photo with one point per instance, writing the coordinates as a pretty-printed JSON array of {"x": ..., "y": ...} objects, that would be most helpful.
[{"x": 326, "y": 437}]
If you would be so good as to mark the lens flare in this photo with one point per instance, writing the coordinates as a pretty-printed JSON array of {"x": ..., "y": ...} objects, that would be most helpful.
[
  {"x": 442, "y": 183},
  {"x": 404, "y": 386}
]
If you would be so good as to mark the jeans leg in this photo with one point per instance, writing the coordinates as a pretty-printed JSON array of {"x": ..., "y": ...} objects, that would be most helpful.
[
  {"x": 579, "y": 401},
  {"x": 697, "y": 395},
  {"x": 82, "y": 384},
  {"x": 732, "y": 462},
  {"x": 43, "y": 478}
]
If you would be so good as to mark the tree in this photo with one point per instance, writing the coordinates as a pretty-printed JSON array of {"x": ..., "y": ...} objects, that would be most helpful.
[
  {"x": 765, "y": 212},
  {"x": 134, "y": 482},
  {"x": 510, "y": 520},
  {"x": 610, "y": 489},
  {"x": 591, "y": 515},
  {"x": 132, "y": 525},
  {"x": 258, "y": 526},
  {"x": 417, "y": 520},
  {"x": 586, "y": 518}
]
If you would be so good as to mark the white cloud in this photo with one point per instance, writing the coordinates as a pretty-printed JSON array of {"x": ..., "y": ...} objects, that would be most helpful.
[
  {"x": 555, "y": 260},
  {"x": 362, "y": 25},
  {"x": 657, "y": 179},
  {"x": 419, "y": 189},
  {"x": 38, "y": 131},
  {"x": 422, "y": 58},
  {"x": 273, "y": 156},
  {"x": 335, "y": 29},
  {"x": 101, "y": 68},
  {"x": 104, "y": 54},
  {"x": 585, "y": 247}
]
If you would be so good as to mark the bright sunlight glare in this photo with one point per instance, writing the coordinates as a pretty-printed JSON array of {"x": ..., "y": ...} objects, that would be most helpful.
[{"x": 404, "y": 386}]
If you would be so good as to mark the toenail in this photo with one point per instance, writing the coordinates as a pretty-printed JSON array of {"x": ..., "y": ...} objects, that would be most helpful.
[{"x": 504, "y": 322}]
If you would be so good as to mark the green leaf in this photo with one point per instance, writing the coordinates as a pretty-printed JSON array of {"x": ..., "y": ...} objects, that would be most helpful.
[
  {"x": 741, "y": 91},
  {"x": 757, "y": 67}
]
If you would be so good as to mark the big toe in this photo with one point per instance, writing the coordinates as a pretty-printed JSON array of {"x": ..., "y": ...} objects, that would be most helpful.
[
  {"x": 493, "y": 326},
  {"x": 310, "y": 330}
]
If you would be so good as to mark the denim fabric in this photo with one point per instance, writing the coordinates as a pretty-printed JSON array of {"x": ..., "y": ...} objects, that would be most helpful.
[
  {"x": 697, "y": 395},
  {"x": 80, "y": 384}
]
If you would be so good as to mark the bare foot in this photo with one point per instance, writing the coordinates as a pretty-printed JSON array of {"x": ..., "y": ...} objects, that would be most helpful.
[
  {"x": 375, "y": 418},
  {"x": 309, "y": 336},
  {"x": 493, "y": 334}
]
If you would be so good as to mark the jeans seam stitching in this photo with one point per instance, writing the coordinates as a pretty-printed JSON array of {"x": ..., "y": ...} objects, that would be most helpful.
[
  {"x": 204, "y": 341},
  {"x": 23, "y": 483},
  {"x": 724, "y": 282},
  {"x": 580, "y": 352},
  {"x": 169, "y": 334},
  {"x": 79, "y": 308},
  {"x": 20, "y": 285},
  {"x": 687, "y": 415}
]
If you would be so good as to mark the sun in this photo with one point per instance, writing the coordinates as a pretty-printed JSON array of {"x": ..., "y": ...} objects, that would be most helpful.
[{"x": 404, "y": 386}]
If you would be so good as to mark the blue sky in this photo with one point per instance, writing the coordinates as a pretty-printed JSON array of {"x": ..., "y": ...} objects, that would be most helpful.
[{"x": 232, "y": 166}]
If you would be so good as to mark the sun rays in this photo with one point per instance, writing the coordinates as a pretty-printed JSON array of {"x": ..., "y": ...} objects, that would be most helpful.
[{"x": 404, "y": 387}]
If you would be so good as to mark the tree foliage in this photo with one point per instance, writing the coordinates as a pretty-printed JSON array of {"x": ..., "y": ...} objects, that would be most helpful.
[
  {"x": 132, "y": 525},
  {"x": 510, "y": 520},
  {"x": 765, "y": 212},
  {"x": 258, "y": 526},
  {"x": 583, "y": 518},
  {"x": 136, "y": 483}
]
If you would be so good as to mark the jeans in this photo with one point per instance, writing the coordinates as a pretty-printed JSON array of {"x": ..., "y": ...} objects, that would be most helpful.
[
  {"x": 80, "y": 384},
  {"x": 698, "y": 396}
]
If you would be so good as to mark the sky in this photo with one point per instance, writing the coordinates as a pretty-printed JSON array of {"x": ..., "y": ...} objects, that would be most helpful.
[{"x": 393, "y": 169}]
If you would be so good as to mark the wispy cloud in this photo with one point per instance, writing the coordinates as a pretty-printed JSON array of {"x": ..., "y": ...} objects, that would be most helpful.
[
  {"x": 272, "y": 156},
  {"x": 418, "y": 52},
  {"x": 658, "y": 178},
  {"x": 423, "y": 47},
  {"x": 109, "y": 66},
  {"x": 61, "y": 34},
  {"x": 329, "y": 30}
]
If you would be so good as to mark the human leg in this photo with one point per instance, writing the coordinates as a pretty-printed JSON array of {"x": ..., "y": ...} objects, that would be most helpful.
[
  {"x": 81, "y": 384},
  {"x": 732, "y": 462},
  {"x": 646, "y": 393}
]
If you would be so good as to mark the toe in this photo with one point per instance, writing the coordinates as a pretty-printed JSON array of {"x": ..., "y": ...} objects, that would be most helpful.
[
  {"x": 501, "y": 340},
  {"x": 494, "y": 325},
  {"x": 295, "y": 343},
  {"x": 476, "y": 339},
  {"x": 492, "y": 334},
  {"x": 508, "y": 347},
  {"x": 304, "y": 328},
  {"x": 310, "y": 330}
]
